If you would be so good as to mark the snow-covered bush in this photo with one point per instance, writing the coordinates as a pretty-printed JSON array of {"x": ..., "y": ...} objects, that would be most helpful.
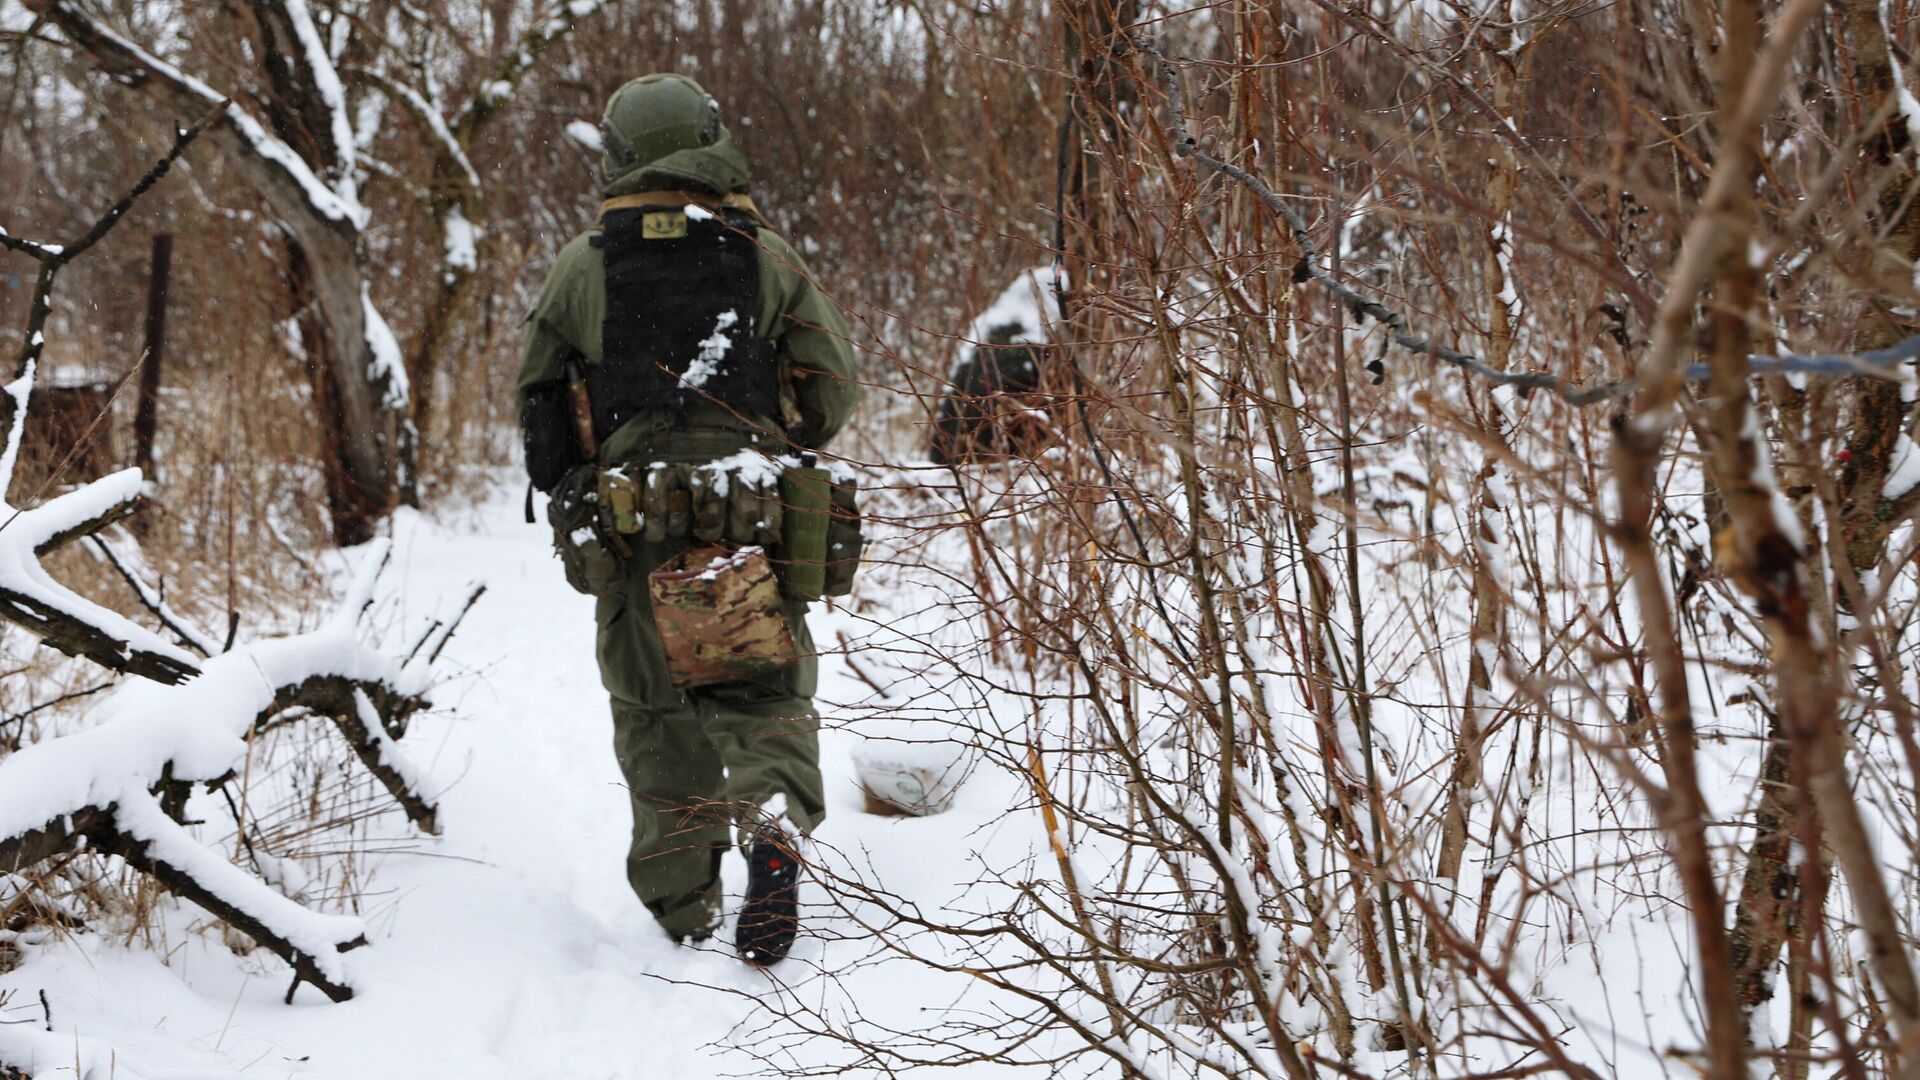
[{"x": 1420, "y": 665}]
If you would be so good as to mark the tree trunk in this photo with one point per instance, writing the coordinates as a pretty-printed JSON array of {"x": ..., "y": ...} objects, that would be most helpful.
[
  {"x": 458, "y": 205},
  {"x": 1879, "y": 413},
  {"x": 354, "y": 432},
  {"x": 362, "y": 405}
]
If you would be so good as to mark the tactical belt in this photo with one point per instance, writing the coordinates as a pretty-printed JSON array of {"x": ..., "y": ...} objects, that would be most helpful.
[{"x": 738, "y": 200}]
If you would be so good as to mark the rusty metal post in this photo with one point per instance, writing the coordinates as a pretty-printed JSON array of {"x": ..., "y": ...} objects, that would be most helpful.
[{"x": 146, "y": 416}]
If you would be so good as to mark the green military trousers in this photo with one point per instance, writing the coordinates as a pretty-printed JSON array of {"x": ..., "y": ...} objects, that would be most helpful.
[{"x": 698, "y": 762}]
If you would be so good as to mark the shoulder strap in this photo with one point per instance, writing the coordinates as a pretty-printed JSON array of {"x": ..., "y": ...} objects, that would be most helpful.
[{"x": 738, "y": 200}]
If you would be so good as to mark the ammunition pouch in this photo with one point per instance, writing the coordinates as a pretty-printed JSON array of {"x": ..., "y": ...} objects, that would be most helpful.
[
  {"x": 732, "y": 501},
  {"x": 720, "y": 616},
  {"x": 574, "y": 510},
  {"x": 736, "y": 503},
  {"x": 806, "y": 496},
  {"x": 845, "y": 543}
]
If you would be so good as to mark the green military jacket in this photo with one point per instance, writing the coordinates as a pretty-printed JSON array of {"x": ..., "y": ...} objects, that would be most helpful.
[{"x": 810, "y": 335}]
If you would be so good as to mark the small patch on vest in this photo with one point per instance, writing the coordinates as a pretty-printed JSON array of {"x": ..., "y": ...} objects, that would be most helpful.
[{"x": 664, "y": 225}]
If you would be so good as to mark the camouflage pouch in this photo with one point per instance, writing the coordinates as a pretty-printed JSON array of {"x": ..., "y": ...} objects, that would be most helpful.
[
  {"x": 720, "y": 616},
  {"x": 574, "y": 512},
  {"x": 844, "y": 540}
]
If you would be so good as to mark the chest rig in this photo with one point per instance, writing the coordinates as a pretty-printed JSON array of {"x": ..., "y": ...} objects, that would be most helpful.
[{"x": 683, "y": 290}]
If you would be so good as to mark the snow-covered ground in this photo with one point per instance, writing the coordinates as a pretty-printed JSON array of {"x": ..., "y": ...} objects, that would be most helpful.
[{"x": 511, "y": 946}]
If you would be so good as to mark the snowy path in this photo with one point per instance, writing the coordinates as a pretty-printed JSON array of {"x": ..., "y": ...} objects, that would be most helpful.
[{"x": 511, "y": 947}]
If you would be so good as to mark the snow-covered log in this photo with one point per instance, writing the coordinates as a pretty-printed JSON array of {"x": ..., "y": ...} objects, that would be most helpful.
[
  {"x": 119, "y": 785},
  {"x": 93, "y": 789},
  {"x": 28, "y": 594}
]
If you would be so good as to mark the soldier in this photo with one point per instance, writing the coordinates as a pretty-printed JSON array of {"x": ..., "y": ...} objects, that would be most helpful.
[
  {"x": 988, "y": 410},
  {"x": 679, "y": 359}
]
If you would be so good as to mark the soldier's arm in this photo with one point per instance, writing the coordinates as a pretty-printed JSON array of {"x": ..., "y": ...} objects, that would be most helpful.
[
  {"x": 812, "y": 336},
  {"x": 545, "y": 357},
  {"x": 546, "y": 420},
  {"x": 554, "y": 333}
]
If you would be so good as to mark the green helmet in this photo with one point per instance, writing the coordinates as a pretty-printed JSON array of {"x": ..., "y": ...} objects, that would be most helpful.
[{"x": 657, "y": 115}]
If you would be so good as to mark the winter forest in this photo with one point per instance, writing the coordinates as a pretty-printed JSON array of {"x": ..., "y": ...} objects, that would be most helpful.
[{"x": 1390, "y": 541}]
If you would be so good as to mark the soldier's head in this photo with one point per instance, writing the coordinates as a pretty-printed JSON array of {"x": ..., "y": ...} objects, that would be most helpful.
[{"x": 654, "y": 116}]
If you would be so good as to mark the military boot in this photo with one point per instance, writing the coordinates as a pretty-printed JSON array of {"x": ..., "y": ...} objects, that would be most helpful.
[{"x": 770, "y": 917}]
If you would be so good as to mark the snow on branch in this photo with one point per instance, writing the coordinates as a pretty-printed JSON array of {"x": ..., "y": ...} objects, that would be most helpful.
[
  {"x": 498, "y": 87},
  {"x": 333, "y": 94},
  {"x": 426, "y": 107},
  {"x": 124, "y": 556},
  {"x": 52, "y": 612},
  {"x": 30, "y": 248},
  {"x": 127, "y": 61},
  {"x": 187, "y": 721},
  {"x": 387, "y": 369},
  {"x": 1880, "y": 363},
  {"x": 453, "y": 134},
  {"x": 95, "y": 789}
]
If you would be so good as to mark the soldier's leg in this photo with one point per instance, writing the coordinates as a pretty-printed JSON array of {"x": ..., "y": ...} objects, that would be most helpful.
[
  {"x": 673, "y": 771},
  {"x": 771, "y": 746},
  {"x": 673, "y": 775},
  {"x": 767, "y": 735}
]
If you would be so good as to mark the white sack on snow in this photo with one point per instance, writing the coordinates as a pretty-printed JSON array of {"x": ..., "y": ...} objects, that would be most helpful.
[{"x": 918, "y": 779}]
